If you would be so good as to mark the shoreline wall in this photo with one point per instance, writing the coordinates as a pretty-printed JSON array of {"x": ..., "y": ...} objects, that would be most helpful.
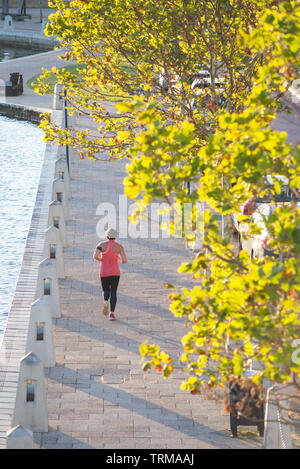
[
  {"x": 16, "y": 111},
  {"x": 14, "y": 342},
  {"x": 30, "y": 40}
]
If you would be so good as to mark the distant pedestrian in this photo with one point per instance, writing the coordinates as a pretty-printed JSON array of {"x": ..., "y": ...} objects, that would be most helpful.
[{"x": 109, "y": 253}]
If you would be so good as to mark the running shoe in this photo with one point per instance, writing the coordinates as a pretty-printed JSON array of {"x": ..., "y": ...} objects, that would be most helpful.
[
  {"x": 112, "y": 317},
  {"x": 105, "y": 308}
]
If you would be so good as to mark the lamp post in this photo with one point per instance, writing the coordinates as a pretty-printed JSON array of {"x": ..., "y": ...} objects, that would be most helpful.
[
  {"x": 41, "y": 11},
  {"x": 66, "y": 126}
]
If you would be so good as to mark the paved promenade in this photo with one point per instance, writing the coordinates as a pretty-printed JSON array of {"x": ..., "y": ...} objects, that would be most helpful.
[
  {"x": 31, "y": 65},
  {"x": 97, "y": 395}
]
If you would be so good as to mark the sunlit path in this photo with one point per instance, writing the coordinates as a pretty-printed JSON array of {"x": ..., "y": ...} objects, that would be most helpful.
[{"x": 97, "y": 395}]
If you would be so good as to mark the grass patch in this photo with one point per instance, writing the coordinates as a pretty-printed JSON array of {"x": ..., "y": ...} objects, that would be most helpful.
[
  {"x": 108, "y": 94},
  {"x": 51, "y": 80}
]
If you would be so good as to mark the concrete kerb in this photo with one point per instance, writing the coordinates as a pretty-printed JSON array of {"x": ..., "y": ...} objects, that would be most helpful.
[
  {"x": 33, "y": 413},
  {"x": 26, "y": 391}
]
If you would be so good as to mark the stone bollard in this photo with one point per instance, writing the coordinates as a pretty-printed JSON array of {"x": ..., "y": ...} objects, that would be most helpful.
[
  {"x": 58, "y": 98},
  {"x": 30, "y": 409},
  {"x": 40, "y": 339},
  {"x": 19, "y": 437},
  {"x": 8, "y": 24},
  {"x": 59, "y": 192},
  {"x": 56, "y": 217},
  {"x": 277, "y": 431},
  {"x": 47, "y": 285},
  {"x": 54, "y": 250},
  {"x": 62, "y": 153},
  {"x": 61, "y": 170}
]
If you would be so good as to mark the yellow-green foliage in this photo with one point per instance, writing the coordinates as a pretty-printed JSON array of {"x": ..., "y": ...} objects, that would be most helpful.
[{"x": 237, "y": 308}]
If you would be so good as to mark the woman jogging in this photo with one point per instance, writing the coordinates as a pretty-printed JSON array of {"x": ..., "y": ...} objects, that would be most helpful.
[{"x": 109, "y": 253}]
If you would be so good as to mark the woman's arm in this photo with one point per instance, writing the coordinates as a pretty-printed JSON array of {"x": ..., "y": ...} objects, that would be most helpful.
[
  {"x": 123, "y": 255},
  {"x": 97, "y": 254}
]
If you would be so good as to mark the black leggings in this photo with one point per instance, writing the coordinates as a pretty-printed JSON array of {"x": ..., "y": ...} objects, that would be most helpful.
[{"x": 109, "y": 287}]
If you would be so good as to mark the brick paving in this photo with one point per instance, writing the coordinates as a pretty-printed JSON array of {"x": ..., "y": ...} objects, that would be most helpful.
[{"x": 97, "y": 394}]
